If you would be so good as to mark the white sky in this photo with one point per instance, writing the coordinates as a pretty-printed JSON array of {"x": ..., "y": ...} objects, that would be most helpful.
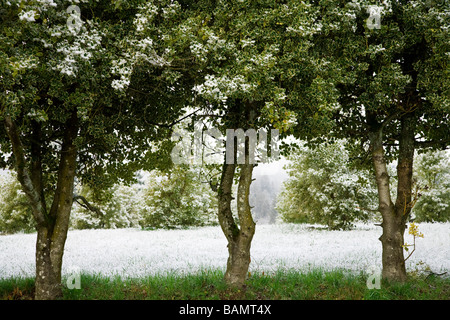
[{"x": 273, "y": 168}]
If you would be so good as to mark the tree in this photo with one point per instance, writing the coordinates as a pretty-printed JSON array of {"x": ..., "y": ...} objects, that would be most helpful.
[
  {"x": 62, "y": 116},
  {"x": 15, "y": 215},
  {"x": 432, "y": 179},
  {"x": 115, "y": 207},
  {"x": 249, "y": 70},
  {"x": 177, "y": 199},
  {"x": 263, "y": 197},
  {"x": 235, "y": 57},
  {"x": 324, "y": 188},
  {"x": 238, "y": 46},
  {"x": 390, "y": 76}
]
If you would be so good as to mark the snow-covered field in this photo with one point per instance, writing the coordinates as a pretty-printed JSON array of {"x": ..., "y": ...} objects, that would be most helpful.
[{"x": 136, "y": 253}]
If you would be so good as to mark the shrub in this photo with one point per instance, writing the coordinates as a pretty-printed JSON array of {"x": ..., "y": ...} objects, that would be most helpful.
[
  {"x": 324, "y": 189},
  {"x": 432, "y": 173},
  {"x": 15, "y": 214},
  {"x": 177, "y": 199}
]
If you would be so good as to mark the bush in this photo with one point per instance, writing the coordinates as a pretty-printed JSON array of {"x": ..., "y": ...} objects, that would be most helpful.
[
  {"x": 116, "y": 207},
  {"x": 432, "y": 173},
  {"x": 15, "y": 214},
  {"x": 177, "y": 199},
  {"x": 324, "y": 189}
]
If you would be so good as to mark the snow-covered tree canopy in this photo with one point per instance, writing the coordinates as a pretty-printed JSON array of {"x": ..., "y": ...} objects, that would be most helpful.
[
  {"x": 62, "y": 115},
  {"x": 432, "y": 177},
  {"x": 398, "y": 66},
  {"x": 56, "y": 60},
  {"x": 323, "y": 188}
]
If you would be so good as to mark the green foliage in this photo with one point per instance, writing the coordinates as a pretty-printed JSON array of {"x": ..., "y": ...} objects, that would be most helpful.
[
  {"x": 324, "y": 189},
  {"x": 48, "y": 71},
  {"x": 177, "y": 198},
  {"x": 135, "y": 66},
  {"x": 381, "y": 73},
  {"x": 15, "y": 214},
  {"x": 433, "y": 178}
]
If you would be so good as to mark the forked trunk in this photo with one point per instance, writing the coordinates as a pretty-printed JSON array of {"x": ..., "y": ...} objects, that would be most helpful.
[
  {"x": 239, "y": 238},
  {"x": 52, "y": 236},
  {"x": 403, "y": 203},
  {"x": 51, "y": 226},
  {"x": 395, "y": 215},
  {"x": 50, "y": 244},
  {"x": 239, "y": 245}
]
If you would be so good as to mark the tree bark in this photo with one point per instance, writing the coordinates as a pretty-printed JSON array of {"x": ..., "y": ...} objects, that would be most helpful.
[
  {"x": 225, "y": 213},
  {"x": 239, "y": 246},
  {"x": 52, "y": 237},
  {"x": 239, "y": 238},
  {"x": 403, "y": 203},
  {"x": 23, "y": 175},
  {"x": 394, "y": 216},
  {"x": 392, "y": 237},
  {"x": 51, "y": 226}
]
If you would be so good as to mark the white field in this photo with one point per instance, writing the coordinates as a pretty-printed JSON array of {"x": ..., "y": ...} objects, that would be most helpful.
[{"x": 138, "y": 253}]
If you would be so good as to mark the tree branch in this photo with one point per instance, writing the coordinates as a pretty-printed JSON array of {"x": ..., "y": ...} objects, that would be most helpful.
[
  {"x": 432, "y": 143},
  {"x": 23, "y": 174},
  {"x": 389, "y": 119},
  {"x": 87, "y": 205},
  {"x": 367, "y": 209},
  {"x": 164, "y": 125}
]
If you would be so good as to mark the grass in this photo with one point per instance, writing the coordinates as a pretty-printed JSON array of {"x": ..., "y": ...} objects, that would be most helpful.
[{"x": 209, "y": 285}]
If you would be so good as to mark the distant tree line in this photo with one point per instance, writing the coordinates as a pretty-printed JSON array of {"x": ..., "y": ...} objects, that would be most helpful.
[{"x": 323, "y": 188}]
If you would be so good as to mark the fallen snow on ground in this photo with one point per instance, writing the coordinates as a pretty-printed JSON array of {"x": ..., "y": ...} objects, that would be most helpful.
[{"x": 138, "y": 253}]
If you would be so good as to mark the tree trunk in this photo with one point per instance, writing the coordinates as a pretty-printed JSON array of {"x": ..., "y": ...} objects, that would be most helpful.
[
  {"x": 393, "y": 260},
  {"x": 403, "y": 203},
  {"x": 239, "y": 246},
  {"x": 239, "y": 238},
  {"x": 392, "y": 237},
  {"x": 48, "y": 278},
  {"x": 51, "y": 226},
  {"x": 225, "y": 214},
  {"x": 52, "y": 238},
  {"x": 394, "y": 216}
]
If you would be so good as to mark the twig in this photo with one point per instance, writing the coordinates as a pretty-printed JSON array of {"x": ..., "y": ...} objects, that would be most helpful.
[
  {"x": 435, "y": 274},
  {"x": 87, "y": 205},
  {"x": 414, "y": 244}
]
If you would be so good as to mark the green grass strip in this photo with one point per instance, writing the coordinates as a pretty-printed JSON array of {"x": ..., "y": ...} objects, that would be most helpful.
[{"x": 209, "y": 285}]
